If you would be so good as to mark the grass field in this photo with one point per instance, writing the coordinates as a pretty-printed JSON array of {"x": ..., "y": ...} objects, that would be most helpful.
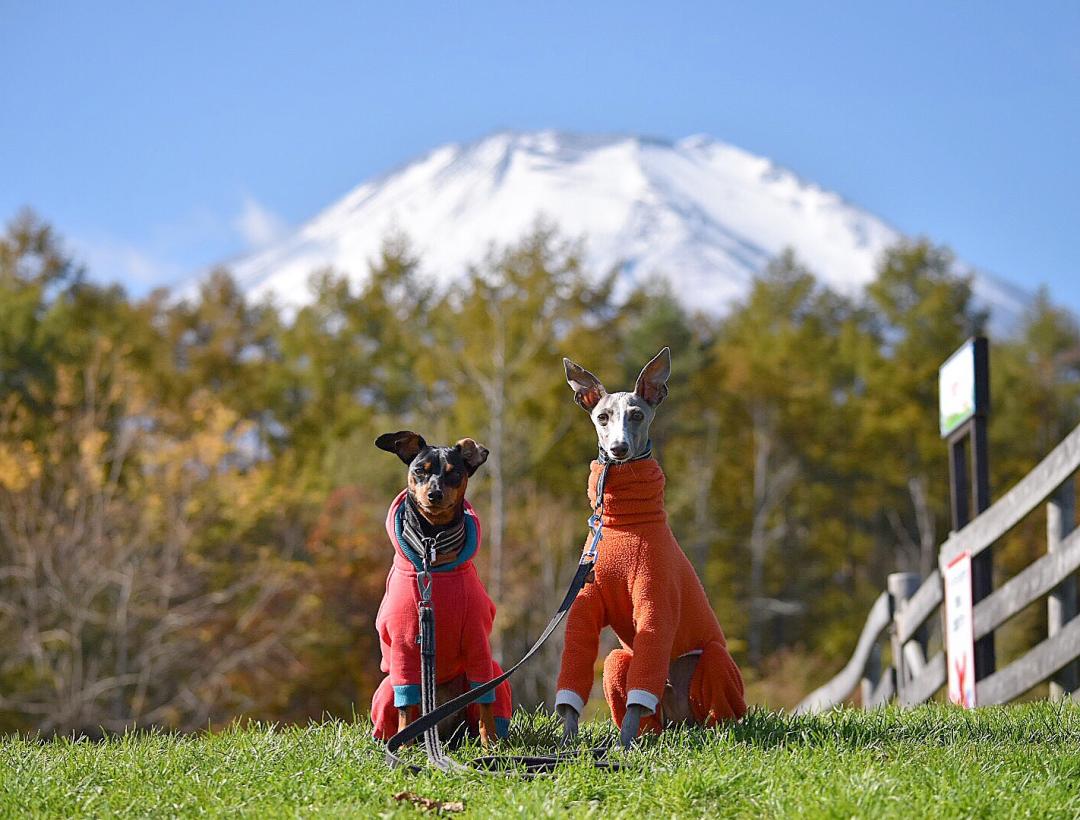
[{"x": 1018, "y": 761}]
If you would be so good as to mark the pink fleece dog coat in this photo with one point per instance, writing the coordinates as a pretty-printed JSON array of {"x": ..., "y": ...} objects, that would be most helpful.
[{"x": 464, "y": 615}]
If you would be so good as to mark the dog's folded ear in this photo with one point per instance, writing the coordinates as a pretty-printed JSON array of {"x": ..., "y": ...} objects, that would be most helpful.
[
  {"x": 405, "y": 443},
  {"x": 472, "y": 453},
  {"x": 652, "y": 383},
  {"x": 587, "y": 388}
]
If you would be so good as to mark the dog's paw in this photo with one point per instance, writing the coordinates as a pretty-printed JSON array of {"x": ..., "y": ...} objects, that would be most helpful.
[
  {"x": 628, "y": 732},
  {"x": 569, "y": 717}
]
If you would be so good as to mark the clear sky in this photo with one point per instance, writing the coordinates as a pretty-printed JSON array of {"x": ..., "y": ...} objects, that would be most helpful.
[{"x": 162, "y": 137}]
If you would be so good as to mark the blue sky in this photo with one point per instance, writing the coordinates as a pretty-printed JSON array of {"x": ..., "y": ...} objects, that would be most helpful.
[{"x": 163, "y": 137}]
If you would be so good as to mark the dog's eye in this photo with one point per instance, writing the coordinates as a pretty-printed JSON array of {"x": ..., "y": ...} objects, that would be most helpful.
[
  {"x": 636, "y": 415},
  {"x": 602, "y": 418}
]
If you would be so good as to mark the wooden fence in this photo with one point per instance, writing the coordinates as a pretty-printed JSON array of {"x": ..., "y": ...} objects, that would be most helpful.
[{"x": 901, "y": 613}]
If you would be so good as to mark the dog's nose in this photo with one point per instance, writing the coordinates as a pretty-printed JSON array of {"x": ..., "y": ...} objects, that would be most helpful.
[
  {"x": 435, "y": 495},
  {"x": 620, "y": 450}
]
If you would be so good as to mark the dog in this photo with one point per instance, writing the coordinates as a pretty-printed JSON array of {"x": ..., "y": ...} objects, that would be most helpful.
[
  {"x": 431, "y": 514},
  {"x": 673, "y": 665}
]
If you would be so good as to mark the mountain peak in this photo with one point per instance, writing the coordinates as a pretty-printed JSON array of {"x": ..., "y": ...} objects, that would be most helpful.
[{"x": 703, "y": 213}]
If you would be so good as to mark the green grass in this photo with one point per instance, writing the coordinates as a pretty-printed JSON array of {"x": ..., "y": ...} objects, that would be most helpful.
[{"x": 935, "y": 761}]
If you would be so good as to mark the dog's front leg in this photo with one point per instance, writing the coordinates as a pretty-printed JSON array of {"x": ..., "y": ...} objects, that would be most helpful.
[
  {"x": 406, "y": 716},
  {"x": 631, "y": 723},
  {"x": 569, "y": 717},
  {"x": 586, "y": 619},
  {"x": 487, "y": 724}
]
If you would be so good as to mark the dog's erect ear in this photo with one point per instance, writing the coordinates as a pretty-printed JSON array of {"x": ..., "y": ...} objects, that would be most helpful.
[
  {"x": 587, "y": 388},
  {"x": 652, "y": 383},
  {"x": 405, "y": 443},
  {"x": 473, "y": 454}
]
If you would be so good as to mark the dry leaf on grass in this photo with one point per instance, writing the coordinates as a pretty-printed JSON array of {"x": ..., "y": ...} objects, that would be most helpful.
[{"x": 428, "y": 804}]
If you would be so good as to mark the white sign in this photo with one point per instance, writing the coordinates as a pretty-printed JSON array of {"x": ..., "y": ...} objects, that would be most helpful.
[
  {"x": 960, "y": 631},
  {"x": 956, "y": 388}
]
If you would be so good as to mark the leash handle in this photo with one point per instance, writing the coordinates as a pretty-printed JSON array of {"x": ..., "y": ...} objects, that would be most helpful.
[{"x": 420, "y": 726}]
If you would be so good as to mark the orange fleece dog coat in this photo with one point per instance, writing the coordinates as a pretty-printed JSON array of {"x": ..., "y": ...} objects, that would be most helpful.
[{"x": 646, "y": 590}]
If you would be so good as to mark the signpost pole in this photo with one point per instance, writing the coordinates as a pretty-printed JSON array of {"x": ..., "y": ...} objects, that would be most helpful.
[
  {"x": 959, "y": 492},
  {"x": 982, "y": 566},
  {"x": 965, "y": 406}
]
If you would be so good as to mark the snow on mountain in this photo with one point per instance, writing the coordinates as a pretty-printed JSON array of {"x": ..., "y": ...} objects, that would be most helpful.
[{"x": 702, "y": 213}]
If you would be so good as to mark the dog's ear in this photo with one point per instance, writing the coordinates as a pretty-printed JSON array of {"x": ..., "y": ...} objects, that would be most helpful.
[
  {"x": 472, "y": 453},
  {"x": 652, "y": 383},
  {"x": 587, "y": 388},
  {"x": 405, "y": 443}
]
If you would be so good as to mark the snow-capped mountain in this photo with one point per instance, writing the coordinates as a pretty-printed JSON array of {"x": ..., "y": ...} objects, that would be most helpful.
[{"x": 702, "y": 213}]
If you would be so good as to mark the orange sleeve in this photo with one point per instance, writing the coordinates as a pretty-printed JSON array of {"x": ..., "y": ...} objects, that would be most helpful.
[
  {"x": 583, "y": 625},
  {"x": 656, "y": 600}
]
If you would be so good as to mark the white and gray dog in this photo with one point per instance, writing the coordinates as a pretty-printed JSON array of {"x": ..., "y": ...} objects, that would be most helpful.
[{"x": 673, "y": 666}]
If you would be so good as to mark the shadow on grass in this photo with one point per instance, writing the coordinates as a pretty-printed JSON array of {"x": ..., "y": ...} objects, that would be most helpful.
[
  {"x": 890, "y": 730},
  {"x": 540, "y": 732},
  {"x": 931, "y": 725}
]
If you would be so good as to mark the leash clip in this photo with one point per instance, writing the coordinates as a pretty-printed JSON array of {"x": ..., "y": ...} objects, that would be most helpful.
[
  {"x": 423, "y": 583},
  {"x": 594, "y": 544},
  {"x": 596, "y": 520},
  {"x": 432, "y": 545}
]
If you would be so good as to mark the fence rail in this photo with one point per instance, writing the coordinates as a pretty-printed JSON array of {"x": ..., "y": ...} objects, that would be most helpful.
[
  {"x": 917, "y": 609},
  {"x": 843, "y": 684},
  {"x": 902, "y": 611},
  {"x": 1007, "y": 511}
]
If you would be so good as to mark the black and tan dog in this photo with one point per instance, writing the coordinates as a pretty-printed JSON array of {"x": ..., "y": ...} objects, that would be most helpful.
[{"x": 431, "y": 515}]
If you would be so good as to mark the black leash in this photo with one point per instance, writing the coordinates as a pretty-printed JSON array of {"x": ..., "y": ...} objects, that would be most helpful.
[{"x": 432, "y": 714}]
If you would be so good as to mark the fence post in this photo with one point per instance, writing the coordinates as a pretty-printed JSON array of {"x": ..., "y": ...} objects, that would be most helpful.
[
  {"x": 901, "y": 586},
  {"x": 871, "y": 675},
  {"x": 1061, "y": 603}
]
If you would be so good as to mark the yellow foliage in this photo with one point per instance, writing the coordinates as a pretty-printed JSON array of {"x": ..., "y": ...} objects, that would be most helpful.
[
  {"x": 91, "y": 447},
  {"x": 19, "y": 465},
  {"x": 67, "y": 390}
]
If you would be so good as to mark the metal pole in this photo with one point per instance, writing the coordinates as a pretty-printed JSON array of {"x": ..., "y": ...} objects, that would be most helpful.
[
  {"x": 982, "y": 566},
  {"x": 959, "y": 495},
  {"x": 1061, "y": 605}
]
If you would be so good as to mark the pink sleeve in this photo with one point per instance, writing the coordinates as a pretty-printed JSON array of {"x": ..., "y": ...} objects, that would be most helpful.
[
  {"x": 476, "y": 641},
  {"x": 399, "y": 634}
]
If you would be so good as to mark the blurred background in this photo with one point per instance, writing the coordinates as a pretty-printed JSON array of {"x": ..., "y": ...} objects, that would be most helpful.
[{"x": 241, "y": 242}]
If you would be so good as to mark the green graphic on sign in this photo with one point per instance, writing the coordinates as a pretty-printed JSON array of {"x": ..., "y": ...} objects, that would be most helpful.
[{"x": 956, "y": 389}]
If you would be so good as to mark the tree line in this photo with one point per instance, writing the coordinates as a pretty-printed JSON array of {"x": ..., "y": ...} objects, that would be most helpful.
[{"x": 191, "y": 507}]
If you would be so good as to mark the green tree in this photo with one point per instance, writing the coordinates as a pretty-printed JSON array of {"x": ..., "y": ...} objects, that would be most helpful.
[
  {"x": 922, "y": 311},
  {"x": 782, "y": 356},
  {"x": 501, "y": 338}
]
